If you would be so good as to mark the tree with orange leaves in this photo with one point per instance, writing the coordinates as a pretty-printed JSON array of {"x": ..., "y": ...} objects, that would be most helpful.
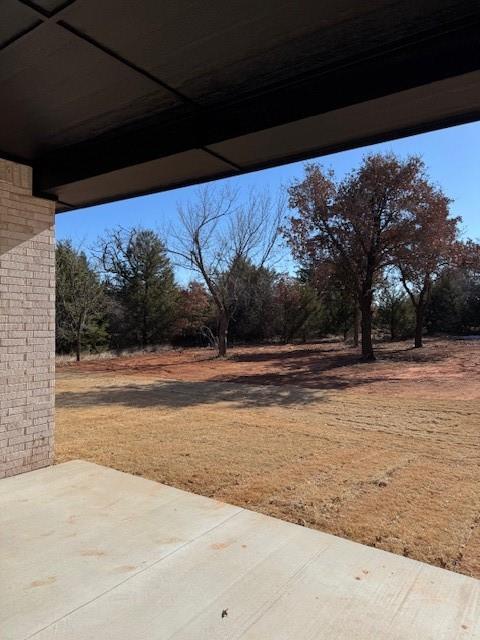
[
  {"x": 431, "y": 247},
  {"x": 356, "y": 224}
]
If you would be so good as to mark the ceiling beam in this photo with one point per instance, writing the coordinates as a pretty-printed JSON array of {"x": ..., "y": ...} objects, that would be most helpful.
[
  {"x": 420, "y": 61},
  {"x": 44, "y": 13}
]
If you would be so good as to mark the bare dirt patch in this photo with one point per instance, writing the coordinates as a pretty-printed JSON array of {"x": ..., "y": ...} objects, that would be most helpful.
[{"x": 387, "y": 454}]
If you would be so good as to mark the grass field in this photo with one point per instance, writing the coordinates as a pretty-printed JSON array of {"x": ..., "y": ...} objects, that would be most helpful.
[{"x": 386, "y": 453}]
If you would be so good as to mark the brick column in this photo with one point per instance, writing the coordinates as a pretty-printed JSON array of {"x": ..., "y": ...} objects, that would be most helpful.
[{"x": 27, "y": 323}]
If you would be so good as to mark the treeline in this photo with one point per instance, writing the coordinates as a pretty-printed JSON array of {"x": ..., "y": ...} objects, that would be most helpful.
[
  {"x": 378, "y": 255},
  {"x": 129, "y": 298}
]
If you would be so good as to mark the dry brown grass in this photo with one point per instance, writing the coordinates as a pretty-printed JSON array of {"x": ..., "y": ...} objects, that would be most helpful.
[{"x": 393, "y": 463}]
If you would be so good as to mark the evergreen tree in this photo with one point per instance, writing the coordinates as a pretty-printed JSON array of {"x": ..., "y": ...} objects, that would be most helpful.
[
  {"x": 80, "y": 302},
  {"x": 141, "y": 282}
]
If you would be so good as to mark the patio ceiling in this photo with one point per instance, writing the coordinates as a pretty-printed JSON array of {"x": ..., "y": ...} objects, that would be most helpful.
[{"x": 112, "y": 99}]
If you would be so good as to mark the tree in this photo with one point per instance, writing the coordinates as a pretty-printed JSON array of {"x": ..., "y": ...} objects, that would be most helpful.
[
  {"x": 431, "y": 247},
  {"x": 339, "y": 311},
  {"x": 394, "y": 309},
  {"x": 216, "y": 235},
  {"x": 454, "y": 305},
  {"x": 355, "y": 223},
  {"x": 80, "y": 300},
  {"x": 195, "y": 315},
  {"x": 447, "y": 301},
  {"x": 469, "y": 258},
  {"x": 296, "y": 302},
  {"x": 331, "y": 315},
  {"x": 470, "y": 319},
  {"x": 140, "y": 277},
  {"x": 469, "y": 262},
  {"x": 252, "y": 302}
]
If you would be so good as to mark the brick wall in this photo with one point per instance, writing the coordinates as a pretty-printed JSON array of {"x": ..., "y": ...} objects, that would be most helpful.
[{"x": 27, "y": 323}]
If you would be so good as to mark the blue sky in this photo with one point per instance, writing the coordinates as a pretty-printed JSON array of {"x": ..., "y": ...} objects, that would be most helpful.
[{"x": 451, "y": 155}]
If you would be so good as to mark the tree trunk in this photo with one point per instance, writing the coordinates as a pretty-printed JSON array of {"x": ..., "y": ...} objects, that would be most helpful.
[
  {"x": 419, "y": 315},
  {"x": 222, "y": 335},
  {"x": 356, "y": 325},
  {"x": 366, "y": 310},
  {"x": 78, "y": 347}
]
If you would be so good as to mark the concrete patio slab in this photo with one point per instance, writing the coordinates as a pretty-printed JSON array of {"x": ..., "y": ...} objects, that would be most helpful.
[{"x": 88, "y": 552}]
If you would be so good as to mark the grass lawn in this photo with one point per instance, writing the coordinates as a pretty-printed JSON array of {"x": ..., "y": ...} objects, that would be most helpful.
[{"x": 387, "y": 453}]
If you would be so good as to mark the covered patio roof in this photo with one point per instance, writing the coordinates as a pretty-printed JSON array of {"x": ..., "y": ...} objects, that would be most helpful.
[
  {"x": 113, "y": 99},
  {"x": 95, "y": 553}
]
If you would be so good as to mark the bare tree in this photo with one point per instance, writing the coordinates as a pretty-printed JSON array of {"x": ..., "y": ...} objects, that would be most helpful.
[{"x": 217, "y": 233}]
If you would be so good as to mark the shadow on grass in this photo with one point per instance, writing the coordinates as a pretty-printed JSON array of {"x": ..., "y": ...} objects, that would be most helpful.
[
  {"x": 339, "y": 355},
  {"x": 309, "y": 369},
  {"x": 175, "y": 394}
]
